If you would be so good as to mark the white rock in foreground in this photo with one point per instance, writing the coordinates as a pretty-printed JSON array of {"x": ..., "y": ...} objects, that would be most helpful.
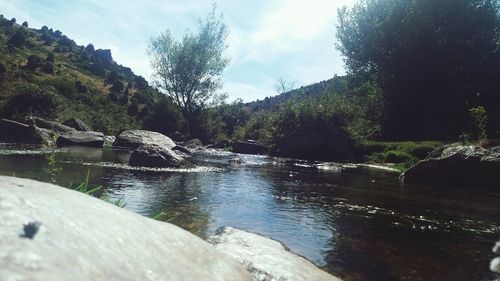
[
  {"x": 266, "y": 259},
  {"x": 83, "y": 238}
]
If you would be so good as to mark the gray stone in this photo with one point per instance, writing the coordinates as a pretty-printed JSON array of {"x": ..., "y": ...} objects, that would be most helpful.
[
  {"x": 248, "y": 147},
  {"x": 77, "y": 124},
  {"x": 222, "y": 144},
  {"x": 136, "y": 138},
  {"x": 109, "y": 140},
  {"x": 16, "y": 132},
  {"x": 53, "y": 233},
  {"x": 193, "y": 145},
  {"x": 182, "y": 149},
  {"x": 157, "y": 157},
  {"x": 51, "y": 125},
  {"x": 177, "y": 136},
  {"x": 457, "y": 165},
  {"x": 91, "y": 139},
  {"x": 265, "y": 258}
]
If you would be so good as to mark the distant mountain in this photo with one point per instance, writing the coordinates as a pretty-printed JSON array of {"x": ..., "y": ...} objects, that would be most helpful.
[
  {"x": 43, "y": 72},
  {"x": 337, "y": 84}
]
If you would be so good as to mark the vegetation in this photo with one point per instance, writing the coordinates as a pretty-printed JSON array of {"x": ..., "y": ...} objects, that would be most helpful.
[{"x": 188, "y": 71}]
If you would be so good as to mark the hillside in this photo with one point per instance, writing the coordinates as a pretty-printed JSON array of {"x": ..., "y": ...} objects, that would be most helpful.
[{"x": 45, "y": 73}]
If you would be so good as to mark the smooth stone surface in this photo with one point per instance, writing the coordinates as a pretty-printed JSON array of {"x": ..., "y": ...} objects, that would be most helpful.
[
  {"x": 457, "y": 165},
  {"x": 193, "y": 145},
  {"x": 265, "y": 258},
  {"x": 109, "y": 140},
  {"x": 177, "y": 136},
  {"x": 135, "y": 138},
  {"x": 83, "y": 138},
  {"x": 247, "y": 147},
  {"x": 51, "y": 125},
  {"x": 77, "y": 237},
  {"x": 77, "y": 124},
  {"x": 156, "y": 157}
]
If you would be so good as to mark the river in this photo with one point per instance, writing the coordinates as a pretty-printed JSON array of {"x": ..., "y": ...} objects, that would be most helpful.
[{"x": 359, "y": 224}]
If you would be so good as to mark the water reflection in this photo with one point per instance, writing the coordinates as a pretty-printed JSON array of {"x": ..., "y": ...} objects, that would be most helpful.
[{"x": 363, "y": 225}]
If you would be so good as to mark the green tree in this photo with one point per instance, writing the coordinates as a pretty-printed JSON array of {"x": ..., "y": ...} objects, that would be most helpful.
[
  {"x": 188, "y": 71},
  {"x": 18, "y": 39},
  {"x": 430, "y": 58}
]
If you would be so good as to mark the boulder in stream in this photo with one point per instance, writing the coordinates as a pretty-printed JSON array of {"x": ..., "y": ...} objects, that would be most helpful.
[
  {"x": 16, "y": 132},
  {"x": 458, "y": 165},
  {"x": 136, "y": 138},
  {"x": 77, "y": 124},
  {"x": 155, "y": 156},
  {"x": 248, "y": 147},
  {"x": 54, "y": 233},
  {"x": 82, "y": 138},
  {"x": 50, "y": 125}
]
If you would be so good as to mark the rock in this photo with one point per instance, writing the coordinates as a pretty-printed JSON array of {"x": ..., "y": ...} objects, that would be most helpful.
[
  {"x": 246, "y": 147},
  {"x": 181, "y": 149},
  {"x": 177, "y": 137},
  {"x": 496, "y": 248},
  {"x": 53, "y": 233},
  {"x": 156, "y": 156},
  {"x": 16, "y": 132},
  {"x": 51, "y": 125},
  {"x": 457, "y": 165},
  {"x": 222, "y": 144},
  {"x": 495, "y": 265},
  {"x": 193, "y": 145},
  {"x": 77, "y": 124},
  {"x": 109, "y": 140},
  {"x": 265, "y": 258},
  {"x": 236, "y": 161},
  {"x": 91, "y": 139},
  {"x": 136, "y": 138}
]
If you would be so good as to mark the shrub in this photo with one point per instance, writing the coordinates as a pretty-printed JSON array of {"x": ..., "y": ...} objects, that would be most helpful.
[
  {"x": 25, "y": 24},
  {"x": 65, "y": 87},
  {"x": 34, "y": 62},
  {"x": 80, "y": 87},
  {"x": 61, "y": 49},
  {"x": 98, "y": 69},
  {"x": 47, "y": 39},
  {"x": 117, "y": 86},
  {"x": 50, "y": 58},
  {"x": 44, "y": 29},
  {"x": 18, "y": 39},
  {"x": 132, "y": 109},
  {"x": 57, "y": 33},
  {"x": 31, "y": 99},
  {"x": 479, "y": 117},
  {"x": 90, "y": 48},
  {"x": 48, "y": 68}
]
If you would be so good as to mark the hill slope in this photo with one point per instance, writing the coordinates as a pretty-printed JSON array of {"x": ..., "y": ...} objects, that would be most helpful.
[{"x": 45, "y": 73}]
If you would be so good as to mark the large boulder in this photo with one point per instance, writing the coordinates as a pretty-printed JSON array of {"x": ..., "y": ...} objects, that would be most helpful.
[
  {"x": 53, "y": 233},
  {"x": 248, "y": 147},
  {"x": 156, "y": 157},
  {"x": 50, "y": 125},
  {"x": 457, "y": 165},
  {"x": 177, "y": 136},
  {"x": 222, "y": 144},
  {"x": 265, "y": 258},
  {"x": 77, "y": 124},
  {"x": 16, "y": 132},
  {"x": 136, "y": 138},
  {"x": 193, "y": 145},
  {"x": 92, "y": 139}
]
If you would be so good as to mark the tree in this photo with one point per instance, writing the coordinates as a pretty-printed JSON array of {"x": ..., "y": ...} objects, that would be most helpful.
[
  {"x": 430, "y": 59},
  {"x": 188, "y": 71},
  {"x": 17, "y": 39},
  {"x": 283, "y": 86},
  {"x": 25, "y": 24}
]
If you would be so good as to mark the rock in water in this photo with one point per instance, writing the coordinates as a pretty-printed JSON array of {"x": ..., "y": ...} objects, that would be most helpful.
[
  {"x": 458, "y": 165},
  {"x": 265, "y": 258},
  {"x": 247, "y": 147},
  {"x": 77, "y": 124},
  {"x": 91, "y": 139},
  {"x": 135, "y": 138},
  {"x": 83, "y": 238},
  {"x": 15, "y": 132},
  {"x": 51, "y": 125},
  {"x": 156, "y": 157}
]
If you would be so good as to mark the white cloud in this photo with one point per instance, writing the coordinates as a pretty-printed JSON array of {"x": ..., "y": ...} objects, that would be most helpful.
[{"x": 247, "y": 92}]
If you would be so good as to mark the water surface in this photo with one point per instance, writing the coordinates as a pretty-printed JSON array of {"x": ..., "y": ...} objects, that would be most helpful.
[{"x": 357, "y": 224}]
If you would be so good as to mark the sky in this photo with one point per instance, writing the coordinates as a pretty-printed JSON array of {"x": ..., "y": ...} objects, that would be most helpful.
[{"x": 268, "y": 39}]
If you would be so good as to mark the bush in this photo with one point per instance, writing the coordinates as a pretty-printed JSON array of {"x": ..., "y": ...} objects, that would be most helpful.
[
  {"x": 18, "y": 39},
  {"x": 132, "y": 109},
  {"x": 117, "y": 86},
  {"x": 48, "y": 68},
  {"x": 98, "y": 69},
  {"x": 25, "y": 24},
  {"x": 90, "y": 48},
  {"x": 50, "y": 58},
  {"x": 34, "y": 62},
  {"x": 31, "y": 99},
  {"x": 47, "y": 39},
  {"x": 65, "y": 87},
  {"x": 80, "y": 87}
]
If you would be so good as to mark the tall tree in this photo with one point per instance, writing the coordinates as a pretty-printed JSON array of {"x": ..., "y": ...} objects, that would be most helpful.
[
  {"x": 432, "y": 59},
  {"x": 189, "y": 70}
]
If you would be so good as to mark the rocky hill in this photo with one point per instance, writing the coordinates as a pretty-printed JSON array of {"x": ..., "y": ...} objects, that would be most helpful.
[{"x": 44, "y": 73}]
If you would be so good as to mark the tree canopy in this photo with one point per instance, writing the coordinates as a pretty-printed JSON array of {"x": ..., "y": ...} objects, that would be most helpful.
[
  {"x": 188, "y": 71},
  {"x": 433, "y": 60}
]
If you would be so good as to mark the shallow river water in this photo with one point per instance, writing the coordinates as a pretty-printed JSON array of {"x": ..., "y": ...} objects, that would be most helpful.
[{"x": 357, "y": 224}]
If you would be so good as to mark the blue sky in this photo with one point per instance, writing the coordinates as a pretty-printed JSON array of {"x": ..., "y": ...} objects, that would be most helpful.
[{"x": 268, "y": 39}]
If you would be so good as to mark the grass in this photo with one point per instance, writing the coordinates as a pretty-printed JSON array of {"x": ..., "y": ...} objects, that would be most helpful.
[
  {"x": 84, "y": 187},
  {"x": 402, "y": 154}
]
